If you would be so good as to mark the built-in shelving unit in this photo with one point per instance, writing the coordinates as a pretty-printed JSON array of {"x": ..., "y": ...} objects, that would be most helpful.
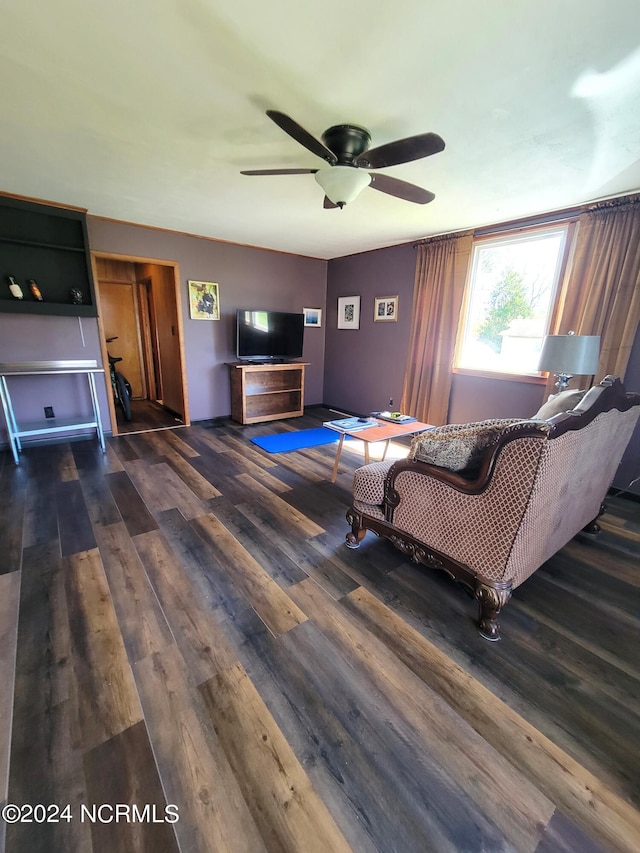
[
  {"x": 266, "y": 392},
  {"x": 50, "y": 245}
]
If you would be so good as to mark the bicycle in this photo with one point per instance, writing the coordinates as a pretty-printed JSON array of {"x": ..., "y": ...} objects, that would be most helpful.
[{"x": 119, "y": 384}]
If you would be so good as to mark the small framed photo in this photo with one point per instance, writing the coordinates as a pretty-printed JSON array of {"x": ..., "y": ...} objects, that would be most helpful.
[
  {"x": 204, "y": 300},
  {"x": 385, "y": 309},
  {"x": 349, "y": 312},
  {"x": 312, "y": 317}
]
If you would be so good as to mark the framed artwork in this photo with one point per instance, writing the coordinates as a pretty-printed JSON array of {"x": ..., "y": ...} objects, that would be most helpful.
[
  {"x": 312, "y": 316},
  {"x": 204, "y": 300},
  {"x": 385, "y": 309},
  {"x": 349, "y": 312}
]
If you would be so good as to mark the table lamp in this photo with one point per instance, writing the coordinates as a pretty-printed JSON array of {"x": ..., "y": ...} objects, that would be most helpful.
[{"x": 569, "y": 355}]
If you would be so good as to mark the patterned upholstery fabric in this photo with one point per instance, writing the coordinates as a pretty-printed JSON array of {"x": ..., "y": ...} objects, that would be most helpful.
[
  {"x": 368, "y": 482},
  {"x": 458, "y": 447},
  {"x": 370, "y": 509},
  {"x": 477, "y": 530}
]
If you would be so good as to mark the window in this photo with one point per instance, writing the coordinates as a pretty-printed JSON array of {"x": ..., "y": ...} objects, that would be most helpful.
[{"x": 510, "y": 299}]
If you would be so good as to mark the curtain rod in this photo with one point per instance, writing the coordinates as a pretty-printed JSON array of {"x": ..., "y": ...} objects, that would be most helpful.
[
  {"x": 529, "y": 222},
  {"x": 440, "y": 238},
  {"x": 613, "y": 203},
  {"x": 533, "y": 221}
]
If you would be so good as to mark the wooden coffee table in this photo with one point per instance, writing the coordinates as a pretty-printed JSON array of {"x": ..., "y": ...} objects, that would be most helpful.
[{"x": 383, "y": 432}]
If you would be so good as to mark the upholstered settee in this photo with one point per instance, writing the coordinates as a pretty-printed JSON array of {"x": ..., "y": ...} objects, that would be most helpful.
[{"x": 489, "y": 503}]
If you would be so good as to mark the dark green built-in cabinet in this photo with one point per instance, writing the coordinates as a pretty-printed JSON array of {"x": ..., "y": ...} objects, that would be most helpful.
[{"x": 50, "y": 245}]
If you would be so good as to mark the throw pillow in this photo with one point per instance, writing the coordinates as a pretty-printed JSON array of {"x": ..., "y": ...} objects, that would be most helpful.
[
  {"x": 458, "y": 447},
  {"x": 557, "y": 403}
]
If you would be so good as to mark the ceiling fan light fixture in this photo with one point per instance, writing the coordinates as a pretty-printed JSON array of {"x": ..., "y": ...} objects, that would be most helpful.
[{"x": 342, "y": 184}]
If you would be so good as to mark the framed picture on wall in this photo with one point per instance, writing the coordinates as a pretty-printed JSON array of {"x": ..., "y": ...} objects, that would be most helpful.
[
  {"x": 312, "y": 316},
  {"x": 385, "y": 309},
  {"x": 204, "y": 300},
  {"x": 349, "y": 312}
]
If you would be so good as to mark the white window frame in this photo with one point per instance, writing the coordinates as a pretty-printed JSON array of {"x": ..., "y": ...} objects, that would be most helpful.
[{"x": 566, "y": 228}]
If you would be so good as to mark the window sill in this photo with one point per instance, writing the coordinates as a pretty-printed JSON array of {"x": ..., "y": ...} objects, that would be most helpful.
[{"x": 531, "y": 378}]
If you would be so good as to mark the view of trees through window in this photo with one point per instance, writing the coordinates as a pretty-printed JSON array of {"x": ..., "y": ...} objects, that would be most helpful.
[{"x": 511, "y": 292}]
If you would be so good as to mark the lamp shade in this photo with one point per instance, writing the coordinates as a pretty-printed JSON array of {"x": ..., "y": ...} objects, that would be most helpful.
[
  {"x": 341, "y": 184},
  {"x": 570, "y": 354}
]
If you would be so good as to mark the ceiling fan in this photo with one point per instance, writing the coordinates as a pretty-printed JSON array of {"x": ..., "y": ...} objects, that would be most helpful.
[{"x": 345, "y": 148}]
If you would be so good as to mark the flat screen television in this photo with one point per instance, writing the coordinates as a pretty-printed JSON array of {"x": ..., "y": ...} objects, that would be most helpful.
[{"x": 269, "y": 335}]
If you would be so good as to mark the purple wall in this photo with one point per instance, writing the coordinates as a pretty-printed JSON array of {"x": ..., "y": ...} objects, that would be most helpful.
[
  {"x": 476, "y": 398},
  {"x": 248, "y": 278},
  {"x": 364, "y": 368}
]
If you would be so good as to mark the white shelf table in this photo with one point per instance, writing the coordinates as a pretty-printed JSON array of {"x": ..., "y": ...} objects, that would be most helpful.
[{"x": 54, "y": 425}]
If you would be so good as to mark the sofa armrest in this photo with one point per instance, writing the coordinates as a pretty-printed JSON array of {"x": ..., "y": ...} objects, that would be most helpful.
[{"x": 475, "y": 480}]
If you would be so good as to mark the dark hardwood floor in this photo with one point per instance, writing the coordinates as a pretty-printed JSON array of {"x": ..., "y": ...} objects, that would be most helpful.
[
  {"x": 183, "y": 630},
  {"x": 145, "y": 416}
]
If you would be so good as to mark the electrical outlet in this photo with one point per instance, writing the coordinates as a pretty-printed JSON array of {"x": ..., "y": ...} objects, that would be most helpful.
[
  {"x": 48, "y": 412},
  {"x": 390, "y": 402}
]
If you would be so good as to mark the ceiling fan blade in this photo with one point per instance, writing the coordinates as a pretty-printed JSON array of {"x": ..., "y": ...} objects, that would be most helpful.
[
  {"x": 401, "y": 189},
  {"x": 401, "y": 151},
  {"x": 278, "y": 171},
  {"x": 328, "y": 204},
  {"x": 302, "y": 136}
]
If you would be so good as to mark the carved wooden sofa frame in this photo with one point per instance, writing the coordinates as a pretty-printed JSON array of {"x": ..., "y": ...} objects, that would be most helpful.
[{"x": 539, "y": 484}]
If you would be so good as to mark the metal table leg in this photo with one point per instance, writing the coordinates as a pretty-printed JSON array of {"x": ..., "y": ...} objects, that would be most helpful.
[
  {"x": 12, "y": 426},
  {"x": 96, "y": 409}
]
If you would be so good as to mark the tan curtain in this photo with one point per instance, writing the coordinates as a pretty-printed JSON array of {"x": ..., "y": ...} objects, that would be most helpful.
[
  {"x": 603, "y": 289},
  {"x": 441, "y": 271}
]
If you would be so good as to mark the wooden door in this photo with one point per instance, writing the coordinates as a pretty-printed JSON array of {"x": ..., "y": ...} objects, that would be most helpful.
[
  {"x": 147, "y": 334},
  {"x": 168, "y": 339},
  {"x": 166, "y": 330},
  {"x": 119, "y": 319}
]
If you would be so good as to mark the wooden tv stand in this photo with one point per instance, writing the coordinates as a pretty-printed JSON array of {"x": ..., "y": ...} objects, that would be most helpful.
[{"x": 266, "y": 392}]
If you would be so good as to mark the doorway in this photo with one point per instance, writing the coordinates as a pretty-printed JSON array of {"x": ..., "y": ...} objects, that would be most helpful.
[{"x": 139, "y": 309}]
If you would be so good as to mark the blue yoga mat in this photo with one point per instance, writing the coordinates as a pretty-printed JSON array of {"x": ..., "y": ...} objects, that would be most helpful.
[{"x": 286, "y": 441}]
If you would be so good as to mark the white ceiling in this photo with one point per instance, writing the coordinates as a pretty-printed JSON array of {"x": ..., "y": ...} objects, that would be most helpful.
[{"x": 147, "y": 110}]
